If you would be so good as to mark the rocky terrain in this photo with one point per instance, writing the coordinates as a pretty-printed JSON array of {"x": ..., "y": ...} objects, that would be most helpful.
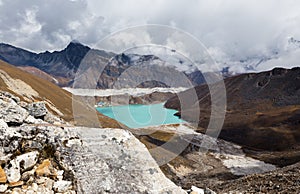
[
  {"x": 28, "y": 152},
  {"x": 40, "y": 153},
  {"x": 222, "y": 167},
  {"x": 194, "y": 159},
  {"x": 285, "y": 180}
]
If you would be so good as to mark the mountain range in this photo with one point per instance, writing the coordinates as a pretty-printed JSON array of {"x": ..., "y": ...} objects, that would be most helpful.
[{"x": 60, "y": 67}]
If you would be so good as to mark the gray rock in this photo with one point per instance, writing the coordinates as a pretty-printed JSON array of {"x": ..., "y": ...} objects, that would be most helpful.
[
  {"x": 29, "y": 191},
  {"x": 7, "y": 95},
  {"x": 28, "y": 160},
  {"x": 62, "y": 186},
  {"x": 49, "y": 183},
  {"x": 3, "y": 188},
  {"x": 17, "y": 190},
  {"x": 12, "y": 113},
  {"x": 50, "y": 118},
  {"x": 37, "y": 109},
  {"x": 23, "y": 104},
  {"x": 73, "y": 142},
  {"x": 102, "y": 160},
  {"x": 34, "y": 186},
  {"x": 4, "y": 158},
  {"x": 27, "y": 175},
  {"x": 60, "y": 175},
  {"x": 118, "y": 163},
  {"x": 3, "y": 125},
  {"x": 44, "y": 190},
  {"x": 12, "y": 171},
  {"x": 31, "y": 120},
  {"x": 6, "y": 132},
  {"x": 8, "y": 145},
  {"x": 209, "y": 191}
]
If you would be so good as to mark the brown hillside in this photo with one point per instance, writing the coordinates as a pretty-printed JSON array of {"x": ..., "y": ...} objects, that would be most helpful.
[
  {"x": 12, "y": 80},
  {"x": 39, "y": 73},
  {"x": 263, "y": 110}
]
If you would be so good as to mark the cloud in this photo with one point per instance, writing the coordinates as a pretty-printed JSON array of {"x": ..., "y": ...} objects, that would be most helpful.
[
  {"x": 287, "y": 60},
  {"x": 232, "y": 30},
  {"x": 125, "y": 39},
  {"x": 41, "y": 25}
]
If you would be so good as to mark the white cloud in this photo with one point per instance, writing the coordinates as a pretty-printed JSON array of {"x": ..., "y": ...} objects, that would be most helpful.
[
  {"x": 30, "y": 25},
  {"x": 287, "y": 60},
  {"x": 231, "y": 30},
  {"x": 123, "y": 40}
]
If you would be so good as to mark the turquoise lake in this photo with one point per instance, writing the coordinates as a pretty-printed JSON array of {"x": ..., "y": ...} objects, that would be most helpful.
[{"x": 138, "y": 116}]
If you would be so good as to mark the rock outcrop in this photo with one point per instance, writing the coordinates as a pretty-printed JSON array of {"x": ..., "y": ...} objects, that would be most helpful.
[
  {"x": 114, "y": 161},
  {"x": 10, "y": 111},
  {"x": 37, "y": 109}
]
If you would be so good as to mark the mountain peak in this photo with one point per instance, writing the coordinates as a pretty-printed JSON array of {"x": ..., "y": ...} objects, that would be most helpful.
[
  {"x": 75, "y": 45},
  {"x": 75, "y": 42}
]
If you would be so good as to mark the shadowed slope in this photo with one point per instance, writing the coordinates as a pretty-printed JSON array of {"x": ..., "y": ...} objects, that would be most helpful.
[{"x": 263, "y": 109}]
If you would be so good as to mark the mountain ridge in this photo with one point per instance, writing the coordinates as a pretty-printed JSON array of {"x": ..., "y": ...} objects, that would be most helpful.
[{"x": 63, "y": 65}]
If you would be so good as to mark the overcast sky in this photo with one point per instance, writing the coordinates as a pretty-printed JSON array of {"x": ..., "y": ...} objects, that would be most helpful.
[{"x": 228, "y": 28}]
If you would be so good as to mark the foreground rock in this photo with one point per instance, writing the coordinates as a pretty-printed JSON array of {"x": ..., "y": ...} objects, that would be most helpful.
[
  {"x": 91, "y": 161},
  {"x": 114, "y": 161}
]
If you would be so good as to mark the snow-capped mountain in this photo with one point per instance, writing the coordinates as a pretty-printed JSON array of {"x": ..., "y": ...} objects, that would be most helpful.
[{"x": 286, "y": 55}]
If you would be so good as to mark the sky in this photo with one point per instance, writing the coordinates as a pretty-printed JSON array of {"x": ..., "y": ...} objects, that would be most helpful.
[{"x": 231, "y": 30}]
